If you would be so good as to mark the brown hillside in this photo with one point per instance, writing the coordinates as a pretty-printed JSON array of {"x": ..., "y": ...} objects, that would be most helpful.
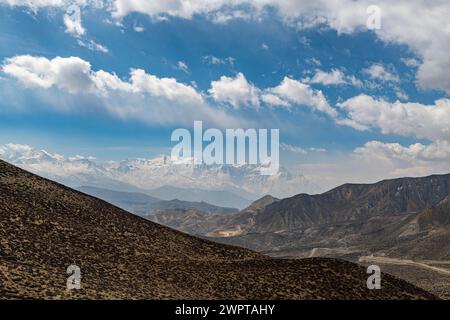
[{"x": 45, "y": 227}]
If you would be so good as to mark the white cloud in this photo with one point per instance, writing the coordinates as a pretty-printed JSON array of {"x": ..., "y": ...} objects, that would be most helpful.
[
  {"x": 138, "y": 28},
  {"x": 302, "y": 94},
  {"x": 410, "y": 62},
  {"x": 71, "y": 74},
  {"x": 313, "y": 61},
  {"x": 181, "y": 65},
  {"x": 274, "y": 101},
  {"x": 422, "y": 25},
  {"x": 416, "y": 159},
  {"x": 294, "y": 149},
  {"x": 423, "y": 121},
  {"x": 379, "y": 72},
  {"x": 93, "y": 46},
  {"x": 377, "y": 160},
  {"x": 35, "y": 4},
  {"x": 235, "y": 91},
  {"x": 354, "y": 81},
  {"x": 264, "y": 46},
  {"x": 210, "y": 59},
  {"x": 143, "y": 96},
  {"x": 402, "y": 95},
  {"x": 238, "y": 92},
  {"x": 335, "y": 76},
  {"x": 223, "y": 17},
  {"x": 317, "y": 149},
  {"x": 150, "y": 98},
  {"x": 72, "y": 21},
  {"x": 300, "y": 150},
  {"x": 440, "y": 150}
]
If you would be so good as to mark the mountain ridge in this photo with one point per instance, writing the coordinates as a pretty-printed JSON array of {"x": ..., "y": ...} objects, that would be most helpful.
[{"x": 140, "y": 174}]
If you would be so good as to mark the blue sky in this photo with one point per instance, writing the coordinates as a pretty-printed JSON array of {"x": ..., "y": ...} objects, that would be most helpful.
[{"x": 265, "y": 45}]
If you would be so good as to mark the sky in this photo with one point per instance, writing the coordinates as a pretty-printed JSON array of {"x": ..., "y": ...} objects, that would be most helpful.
[{"x": 112, "y": 79}]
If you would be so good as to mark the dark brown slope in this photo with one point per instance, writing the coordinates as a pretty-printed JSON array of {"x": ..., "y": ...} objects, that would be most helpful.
[{"x": 45, "y": 227}]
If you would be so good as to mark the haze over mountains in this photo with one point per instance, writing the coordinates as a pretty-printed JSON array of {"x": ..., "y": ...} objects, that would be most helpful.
[
  {"x": 45, "y": 227},
  {"x": 240, "y": 184},
  {"x": 143, "y": 204}
]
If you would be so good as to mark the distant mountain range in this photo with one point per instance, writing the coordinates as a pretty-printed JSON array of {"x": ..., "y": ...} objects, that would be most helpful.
[
  {"x": 144, "y": 205},
  {"x": 222, "y": 185},
  {"x": 218, "y": 198},
  {"x": 46, "y": 227}
]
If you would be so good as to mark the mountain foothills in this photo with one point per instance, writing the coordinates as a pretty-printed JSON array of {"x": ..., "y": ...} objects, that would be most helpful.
[
  {"x": 45, "y": 227},
  {"x": 401, "y": 224},
  {"x": 380, "y": 218}
]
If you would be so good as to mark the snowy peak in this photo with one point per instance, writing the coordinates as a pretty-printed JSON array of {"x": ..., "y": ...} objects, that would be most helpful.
[{"x": 145, "y": 174}]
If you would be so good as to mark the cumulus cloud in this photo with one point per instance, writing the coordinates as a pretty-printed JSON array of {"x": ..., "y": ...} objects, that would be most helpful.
[
  {"x": 273, "y": 100},
  {"x": 239, "y": 92},
  {"x": 423, "y": 121},
  {"x": 148, "y": 97},
  {"x": 302, "y": 94},
  {"x": 72, "y": 21},
  {"x": 71, "y": 74},
  {"x": 93, "y": 46},
  {"x": 235, "y": 91},
  {"x": 378, "y": 71},
  {"x": 334, "y": 77},
  {"x": 210, "y": 59},
  {"x": 440, "y": 150},
  {"x": 416, "y": 159},
  {"x": 426, "y": 35},
  {"x": 35, "y": 4},
  {"x": 181, "y": 65},
  {"x": 143, "y": 96}
]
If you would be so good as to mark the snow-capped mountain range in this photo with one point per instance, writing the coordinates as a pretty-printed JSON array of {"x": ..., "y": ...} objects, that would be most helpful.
[{"x": 146, "y": 174}]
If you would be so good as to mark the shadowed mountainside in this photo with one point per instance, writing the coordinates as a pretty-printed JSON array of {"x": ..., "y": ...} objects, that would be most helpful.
[
  {"x": 45, "y": 227},
  {"x": 395, "y": 217},
  {"x": 353, "y": 202}
]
